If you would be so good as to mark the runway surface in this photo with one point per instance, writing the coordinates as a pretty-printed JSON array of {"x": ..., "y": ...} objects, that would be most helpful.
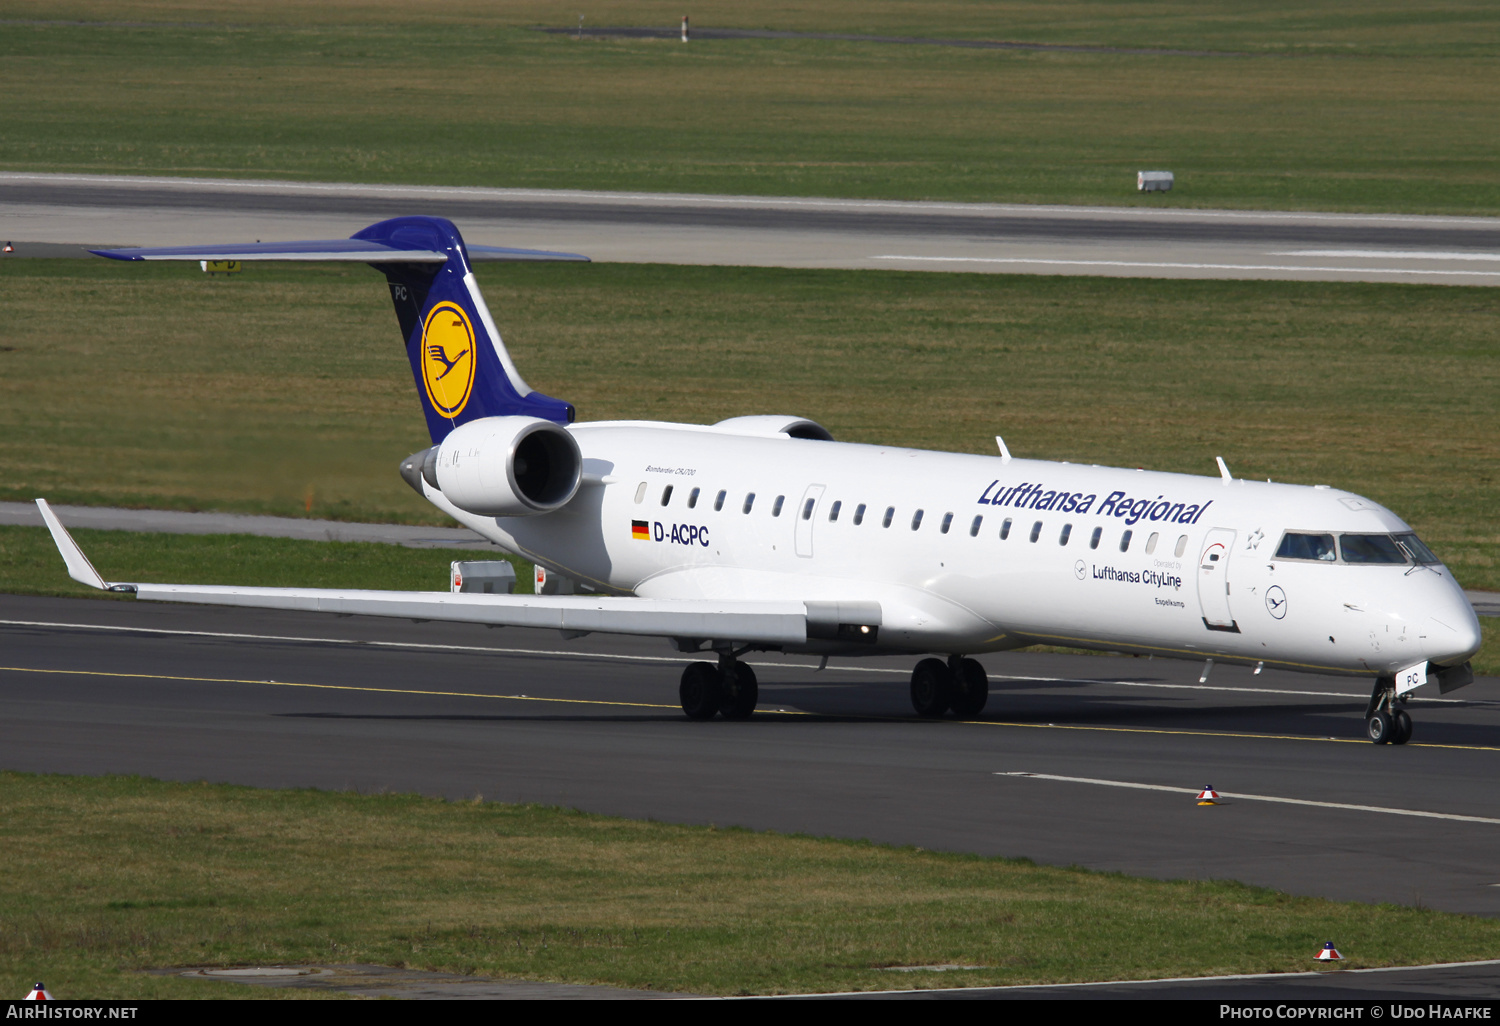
[
  {"x": 52, "y": 215},
  {"x": 281, "y": 699}
]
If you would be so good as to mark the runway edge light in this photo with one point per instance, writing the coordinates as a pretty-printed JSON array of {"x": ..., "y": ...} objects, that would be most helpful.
[
  {"x": 39, "y": 993},
  {"x": 1329, "y": 954},
  {"x": 1208, "y": 796}
]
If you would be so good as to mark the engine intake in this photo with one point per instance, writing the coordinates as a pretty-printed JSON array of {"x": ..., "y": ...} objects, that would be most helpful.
[{"x": 501, "y": 467}]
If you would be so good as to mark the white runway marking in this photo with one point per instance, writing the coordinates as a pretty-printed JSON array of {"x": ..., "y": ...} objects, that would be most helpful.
[
  {"x": 1164, "y": 265},
  {"x": 1391, "y": 254},
  {"x": 495, "y": 650},
  {"x": 1256, "y": 797}
]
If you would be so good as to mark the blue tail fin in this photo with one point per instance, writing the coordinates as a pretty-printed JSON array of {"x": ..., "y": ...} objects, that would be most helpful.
[{"x": 460, "y": 364}]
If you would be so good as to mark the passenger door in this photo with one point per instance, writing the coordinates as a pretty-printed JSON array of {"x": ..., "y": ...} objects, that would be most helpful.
[{"x": 1213, "y": 580}]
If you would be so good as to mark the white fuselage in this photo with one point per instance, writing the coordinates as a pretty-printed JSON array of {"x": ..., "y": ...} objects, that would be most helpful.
[{"x": 1195, "y": 578}]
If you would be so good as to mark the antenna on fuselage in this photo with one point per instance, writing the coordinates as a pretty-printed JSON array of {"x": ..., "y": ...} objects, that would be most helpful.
[
  {"x": 1004, "y": 452},
  {"x": 1223, "y": 470}
]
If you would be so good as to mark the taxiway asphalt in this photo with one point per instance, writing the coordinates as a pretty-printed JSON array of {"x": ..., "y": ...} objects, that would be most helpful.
[
  {"x": 282, "y": 699},
  {"x": 52, "y": 214}
]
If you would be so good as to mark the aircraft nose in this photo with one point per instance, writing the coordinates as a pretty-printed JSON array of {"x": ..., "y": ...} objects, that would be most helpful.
[{"x": 1454, "y": 636}]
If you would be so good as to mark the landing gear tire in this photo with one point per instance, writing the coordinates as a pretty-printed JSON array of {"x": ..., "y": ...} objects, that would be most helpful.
[
  {"x": 1400, "y": 728},
  {"x": 1381, "y": 729},
  {"x": 931, "y": 688},
  {"x": 738, "y": 691},
  {"x": 971, "y": 688},
  {"x": 699, "y": 692}
]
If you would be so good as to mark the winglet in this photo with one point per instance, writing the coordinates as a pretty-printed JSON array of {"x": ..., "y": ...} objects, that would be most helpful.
[{"x": 79, "y": 567}]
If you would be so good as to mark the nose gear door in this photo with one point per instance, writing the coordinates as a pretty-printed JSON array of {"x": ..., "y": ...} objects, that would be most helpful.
[{"x": 1213, "y": 580}]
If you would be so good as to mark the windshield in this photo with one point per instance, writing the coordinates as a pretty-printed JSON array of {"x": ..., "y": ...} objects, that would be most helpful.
[
  {"x": 1370, "y": 548},
  {"x": 1306, "y": 546},
  {"x": 1415, "y": 549},
  {"x": 1361, "y": 549}
]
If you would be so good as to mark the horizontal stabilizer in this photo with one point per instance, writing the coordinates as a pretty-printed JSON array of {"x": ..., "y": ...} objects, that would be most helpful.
[{"x": 361, "y": 250}]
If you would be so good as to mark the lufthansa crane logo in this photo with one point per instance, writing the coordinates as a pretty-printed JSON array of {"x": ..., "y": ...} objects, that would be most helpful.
[
  {"x": 1276, "y": 602},
  {"x": 448, "y": 358}
]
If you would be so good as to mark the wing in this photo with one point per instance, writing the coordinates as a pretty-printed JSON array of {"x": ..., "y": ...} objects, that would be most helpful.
[{"x": 772, "y": 623}]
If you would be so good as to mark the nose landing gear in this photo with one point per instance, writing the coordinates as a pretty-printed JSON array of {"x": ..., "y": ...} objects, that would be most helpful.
[
  {"x": 959, "y": 684},
  {"x": 729, "y": 689},
  {"x": 1385, "y": 722}
]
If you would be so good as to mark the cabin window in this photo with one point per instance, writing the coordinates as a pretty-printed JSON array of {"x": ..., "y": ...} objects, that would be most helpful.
[
  {"x": 775, "y": 506},
  {"x": 1125, "y": 541},
  {"x": 890, "y": 514},
  {"x": 640, "y": 493},
  {"x": 666, "y": 495},
  {"x": 1067, "y": 532},
  {"x": 749, "y": 502},
  {"x": 1415, "y": 549},
  {"x": 1306, "y": 546},
  {"x": 807, "y": 508},
  {"x": 833, "y": 511},
  {"x": 859, "y": 514},
  {"x": 1370, "y": 548},
  {"x": 916, "y": 520},
  {"x": 974, "y": 527},
  {"x": 1151, "y": 542},
  {"x": 1181, "y": 547},
  {"x": 1005, "y": 529},
  {"x": 947, "y": 522},
  {"x": 693, "y": 498},
  {"x": 1094, "y": 538},
  {"x": 1036, "y": 530},
  {"x": 719, "y": 500}
]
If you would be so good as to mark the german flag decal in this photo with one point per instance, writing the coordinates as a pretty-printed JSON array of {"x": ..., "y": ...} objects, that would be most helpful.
[{"x": 640, "y": 530}]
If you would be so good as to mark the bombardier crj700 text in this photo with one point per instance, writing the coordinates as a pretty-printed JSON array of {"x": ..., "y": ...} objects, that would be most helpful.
[{"x": 763, "y": 533}]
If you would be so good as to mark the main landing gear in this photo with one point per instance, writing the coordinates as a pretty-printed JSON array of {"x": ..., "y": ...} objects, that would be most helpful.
[
  {"x": 1385, "y": 722},
  {"x": 959, "y": 684},
  {"x": 728, "y": 689}
]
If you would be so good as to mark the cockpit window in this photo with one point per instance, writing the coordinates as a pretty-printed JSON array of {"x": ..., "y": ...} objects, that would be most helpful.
[
  {"x": 1415, "y": 549},
  {"x": 1370, "y": 548},
  {"x": 1306, "y": 546}
]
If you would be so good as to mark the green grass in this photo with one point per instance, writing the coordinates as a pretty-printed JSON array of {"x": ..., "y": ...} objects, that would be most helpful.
[
  {"x": 1487, "y": 662},
  {"x": 286, "y": 391},
  {"x": 1384, "y": 108},
  {"x": 106, "y": 877}
]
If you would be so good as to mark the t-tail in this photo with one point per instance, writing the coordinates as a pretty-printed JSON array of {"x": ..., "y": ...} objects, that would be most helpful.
[
  {"x": 462, "y": 369},
  {"x": 461, "y": 366}
]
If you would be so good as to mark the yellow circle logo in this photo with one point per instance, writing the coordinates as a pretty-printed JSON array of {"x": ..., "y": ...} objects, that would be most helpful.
[{"x": 448, "y": 358}]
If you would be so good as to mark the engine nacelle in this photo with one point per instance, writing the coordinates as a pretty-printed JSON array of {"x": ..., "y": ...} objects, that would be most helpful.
[{"x": 506, "y": 466}]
